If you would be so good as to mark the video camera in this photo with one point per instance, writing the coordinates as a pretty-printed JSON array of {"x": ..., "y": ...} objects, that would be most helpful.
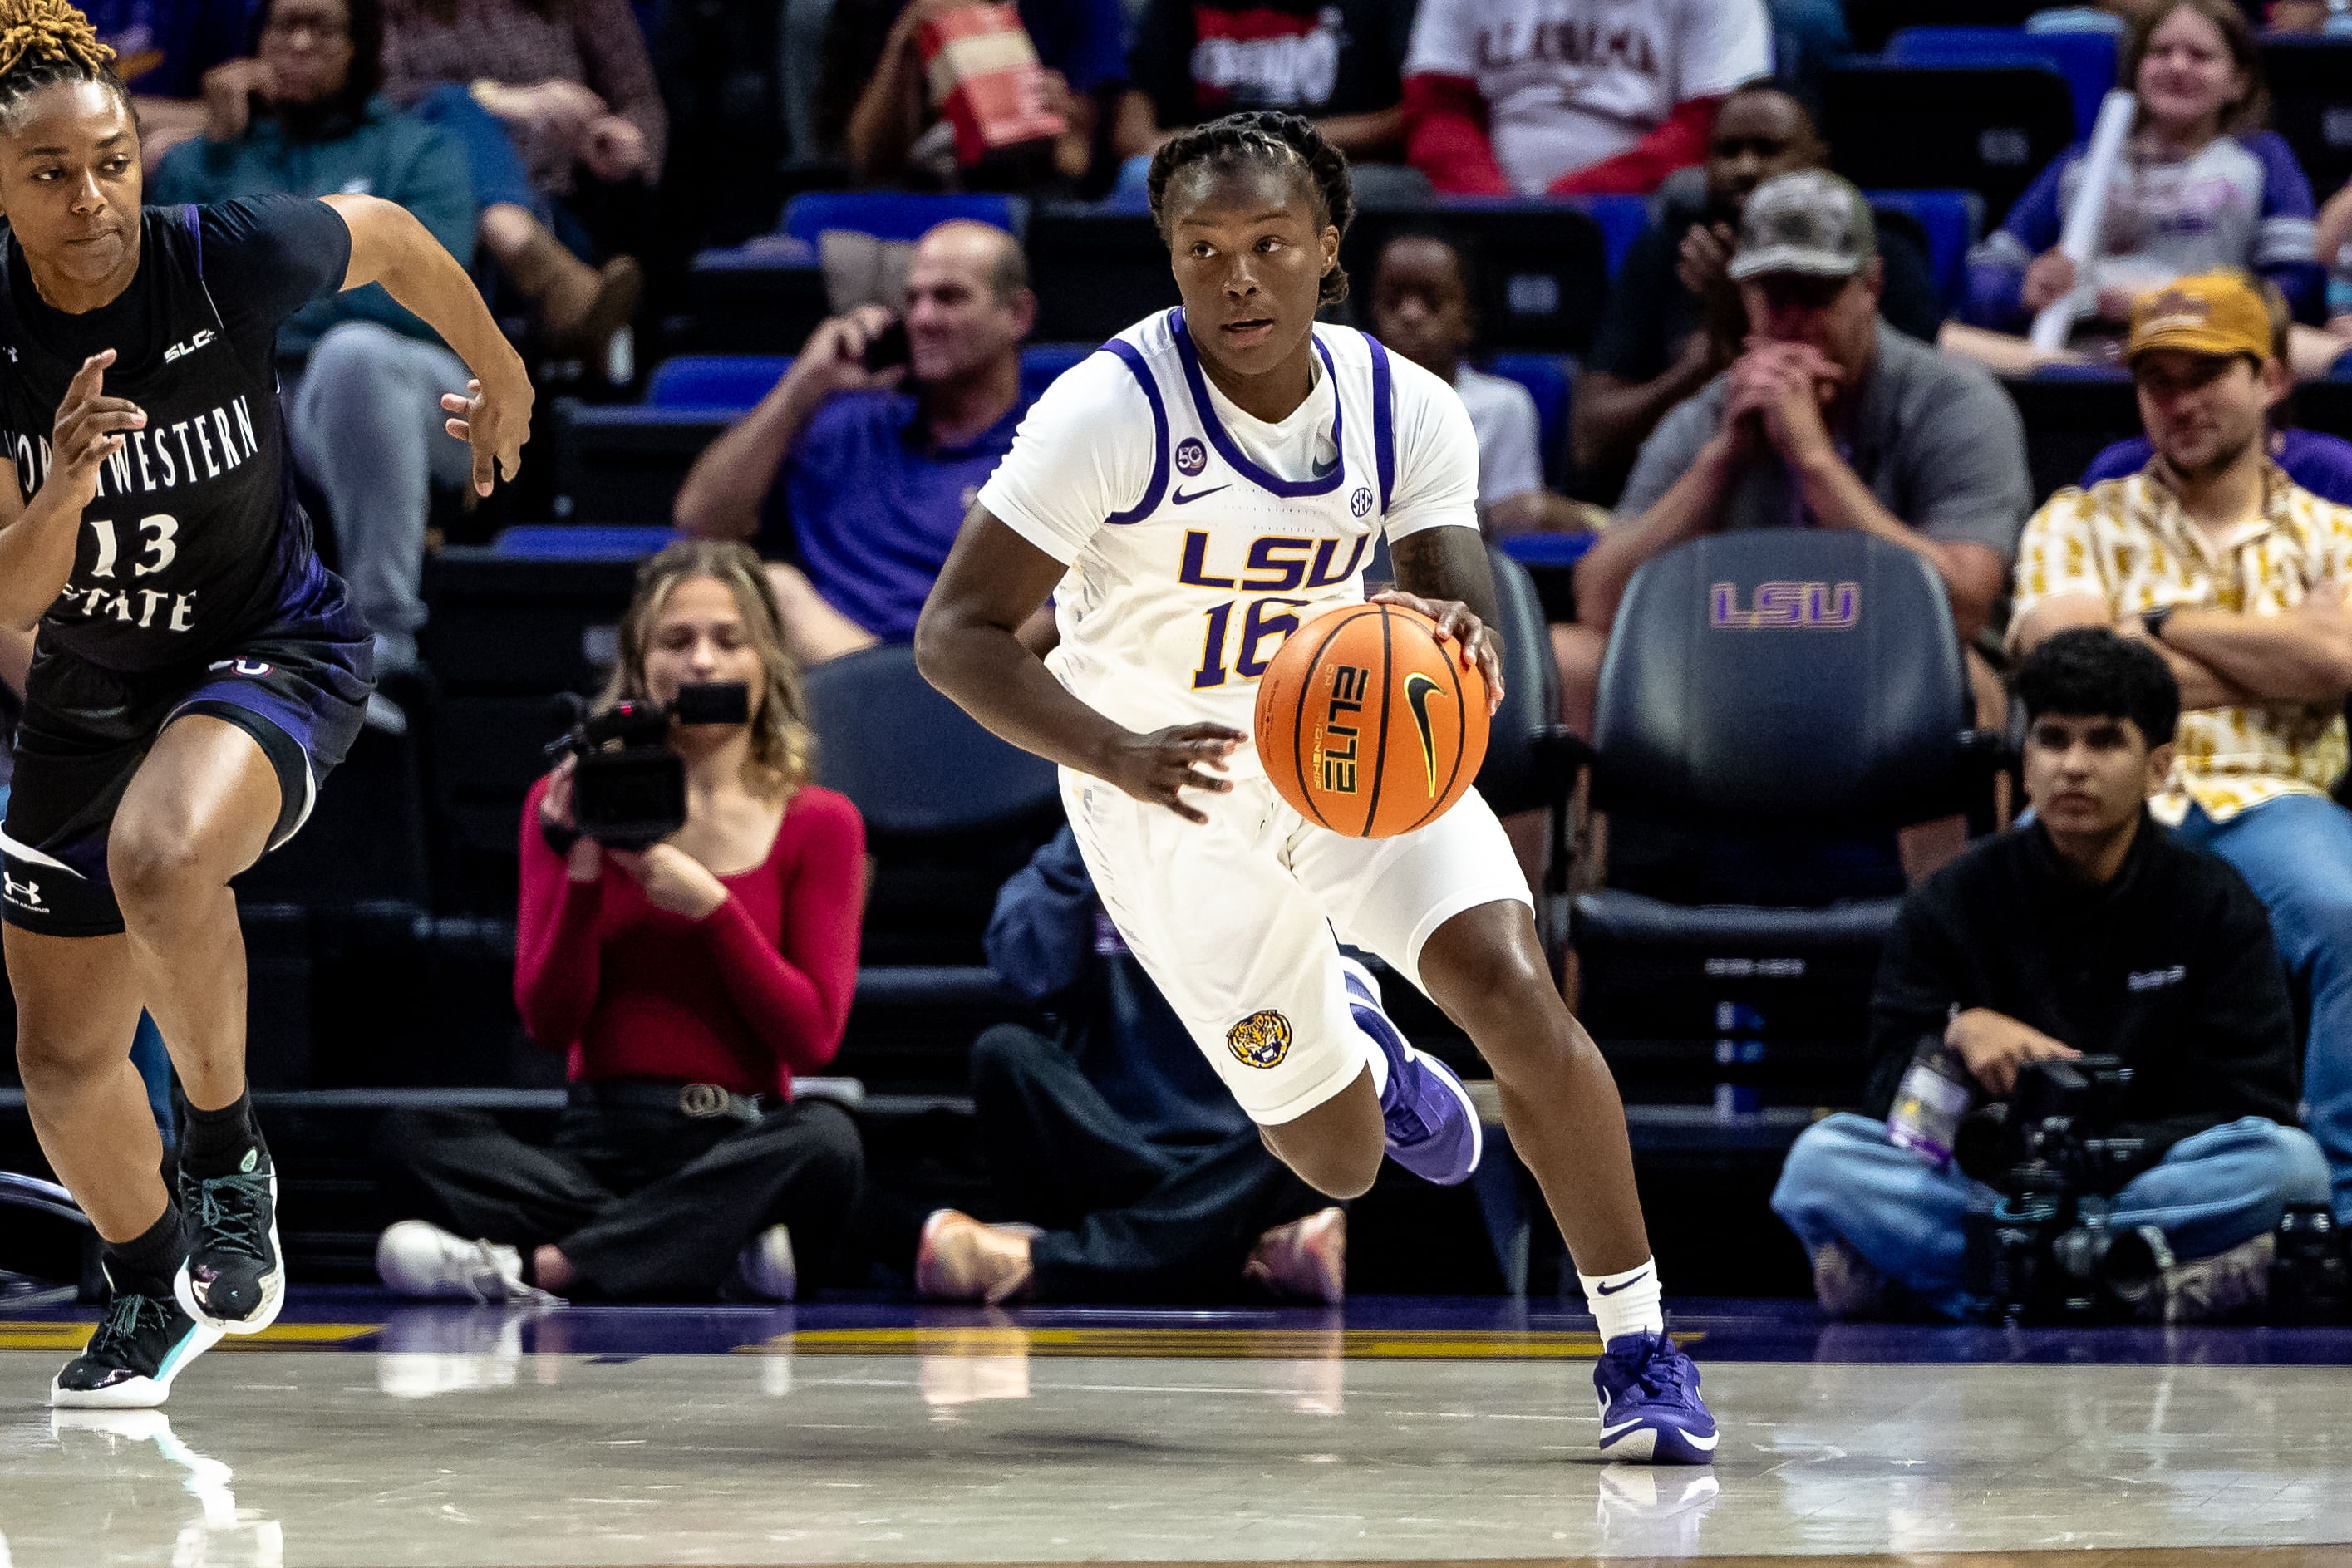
[
  {"x": 2047, "y": 1246},
  {"x": 628, "y": 788}
]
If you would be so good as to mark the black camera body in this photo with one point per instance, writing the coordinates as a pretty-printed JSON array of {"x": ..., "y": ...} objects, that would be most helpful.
[
  {"x": 2046, "y": 1248},
  {"x": 628, "y": 788}
]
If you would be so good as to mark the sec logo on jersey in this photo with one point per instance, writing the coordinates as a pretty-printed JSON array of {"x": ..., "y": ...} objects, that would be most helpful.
[
  {"x": 1261, "y": 1039},
  {"x": 1191, "y": 457},
  {"x": 1361, "y": 503}
]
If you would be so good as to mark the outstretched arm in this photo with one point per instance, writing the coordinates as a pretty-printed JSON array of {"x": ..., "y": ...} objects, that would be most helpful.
[{"x": 390, "y": 246}]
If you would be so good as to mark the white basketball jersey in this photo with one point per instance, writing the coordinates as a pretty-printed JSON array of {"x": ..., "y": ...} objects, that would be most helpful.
[{"x": 1174, "y": 606}]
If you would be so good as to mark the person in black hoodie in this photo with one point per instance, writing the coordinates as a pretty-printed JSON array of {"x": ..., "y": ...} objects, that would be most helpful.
[{"x": 2090, "y": 930}]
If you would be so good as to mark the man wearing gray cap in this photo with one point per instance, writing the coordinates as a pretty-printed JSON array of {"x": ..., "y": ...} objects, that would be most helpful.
[{"x": 1828, "y": 419}]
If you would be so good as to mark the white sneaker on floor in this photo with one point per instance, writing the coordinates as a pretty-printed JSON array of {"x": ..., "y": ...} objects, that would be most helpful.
[
  {"x": 766, "y": 1266},
  {"x": 422, "y": 1260}
]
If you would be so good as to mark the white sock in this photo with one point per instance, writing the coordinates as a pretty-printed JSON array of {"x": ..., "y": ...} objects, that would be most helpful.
[{"x": 1624, "y": 1303}]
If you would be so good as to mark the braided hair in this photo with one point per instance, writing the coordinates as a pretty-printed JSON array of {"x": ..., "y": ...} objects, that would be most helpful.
[
  {"x": 1269, "y": 139},
  {"x": 43, "y": 42}
]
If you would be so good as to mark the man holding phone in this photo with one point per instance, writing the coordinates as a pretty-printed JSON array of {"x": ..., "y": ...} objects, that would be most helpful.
[{"x": 854, "y": 472}]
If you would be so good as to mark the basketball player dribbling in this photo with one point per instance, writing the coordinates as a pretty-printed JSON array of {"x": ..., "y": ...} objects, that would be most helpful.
[
  {"x": 196, "y": 671},
  {"x": 1190, "y": 495}
]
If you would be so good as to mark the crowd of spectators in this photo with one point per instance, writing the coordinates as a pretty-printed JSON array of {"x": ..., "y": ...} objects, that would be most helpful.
[{"x": 1772, "y": 353}]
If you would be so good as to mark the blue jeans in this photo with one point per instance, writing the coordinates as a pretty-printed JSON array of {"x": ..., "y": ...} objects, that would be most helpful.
[
  {"x": 1844, "y": 1182},
  {"x": 2296, "y": 853}
]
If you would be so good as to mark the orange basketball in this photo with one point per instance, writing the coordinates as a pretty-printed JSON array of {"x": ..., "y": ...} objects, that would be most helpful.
[{"x": 1369, "y": 725}]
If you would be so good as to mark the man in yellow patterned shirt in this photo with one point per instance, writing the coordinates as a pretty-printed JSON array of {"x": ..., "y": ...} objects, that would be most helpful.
[{"x": 2215, "y": 560}]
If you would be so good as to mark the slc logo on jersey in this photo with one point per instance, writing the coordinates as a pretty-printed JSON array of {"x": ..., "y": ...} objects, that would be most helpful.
[{"x": 190, "y": 347}]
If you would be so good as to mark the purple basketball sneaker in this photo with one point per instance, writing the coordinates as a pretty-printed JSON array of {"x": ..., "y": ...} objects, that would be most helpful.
[
  {"x": 1649, "y": 1409},
  {"x": 1432, "y": 1128}
]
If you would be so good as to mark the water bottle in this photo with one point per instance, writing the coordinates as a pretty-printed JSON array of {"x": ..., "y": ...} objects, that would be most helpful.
[{"x": 1936, "y": 1092}]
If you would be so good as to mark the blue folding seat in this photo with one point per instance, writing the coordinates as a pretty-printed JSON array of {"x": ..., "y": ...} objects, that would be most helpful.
[
  {"x": 896, "y": 214},
  {"x": 2086, "y": 59},
  {"x": 716, "y": 381}
]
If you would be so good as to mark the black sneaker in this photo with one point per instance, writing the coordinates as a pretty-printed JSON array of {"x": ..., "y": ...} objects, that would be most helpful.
[
  {"x": 131, "y": 1361},
  {"x": 235, "y": 1278}
]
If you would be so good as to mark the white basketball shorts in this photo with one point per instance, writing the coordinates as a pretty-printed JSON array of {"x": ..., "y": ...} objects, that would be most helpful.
[{"x": 1233, "y": 920}]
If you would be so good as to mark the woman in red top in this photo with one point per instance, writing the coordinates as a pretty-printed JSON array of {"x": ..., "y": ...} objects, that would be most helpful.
[{"x": 688, "y": 982}]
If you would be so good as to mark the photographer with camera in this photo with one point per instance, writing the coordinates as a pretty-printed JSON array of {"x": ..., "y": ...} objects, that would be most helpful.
[
  {"x": 853, "y": 474},
  {"x": 691, "y": 964},
  {"x": 2089, "y": 932}
]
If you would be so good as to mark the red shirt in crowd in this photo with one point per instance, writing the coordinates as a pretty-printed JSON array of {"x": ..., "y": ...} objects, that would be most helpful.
[{"x": 748, "y": 996}]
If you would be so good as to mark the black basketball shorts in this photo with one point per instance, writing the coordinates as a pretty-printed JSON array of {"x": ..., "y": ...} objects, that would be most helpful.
[{"x": 299, "y": 686}]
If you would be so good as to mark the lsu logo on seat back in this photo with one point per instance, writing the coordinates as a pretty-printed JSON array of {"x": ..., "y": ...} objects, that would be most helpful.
[{"x": 1806, "y": 606}]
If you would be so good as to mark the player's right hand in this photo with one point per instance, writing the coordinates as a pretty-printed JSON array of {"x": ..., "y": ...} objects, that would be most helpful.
[
  {"x": 88, "y": 430},
  {"x": 1161, "y": 766}
]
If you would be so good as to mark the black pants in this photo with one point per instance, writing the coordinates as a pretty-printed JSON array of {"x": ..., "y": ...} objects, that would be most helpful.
[
  {"x": 645, "y": 1204},
  {"x": 1125, "y": 1220}
]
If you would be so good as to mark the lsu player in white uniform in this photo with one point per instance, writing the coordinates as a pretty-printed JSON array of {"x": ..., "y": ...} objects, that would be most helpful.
[{"x": 1189, "y": 496}]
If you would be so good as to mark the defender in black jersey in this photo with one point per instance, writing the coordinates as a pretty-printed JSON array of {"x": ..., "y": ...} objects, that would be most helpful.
[{"x": 197, "y": 672}]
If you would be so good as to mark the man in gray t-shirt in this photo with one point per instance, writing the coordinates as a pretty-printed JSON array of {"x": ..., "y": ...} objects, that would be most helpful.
[{"x": 1830, "y": 419}]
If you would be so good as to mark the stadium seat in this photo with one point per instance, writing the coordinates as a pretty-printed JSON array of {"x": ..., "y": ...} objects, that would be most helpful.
[
  {"x": 1096, "y": 274},
  {"x": 1621, "y": 221},
  {"x": 1529, "y": 764},
  {"x": 1041, "y": 363},
  {"x": 2311, "y": 104},
  {"x": 2086, "y": 59},
  {"x": 507, "y": 633},
  {"x": 2071, "y": 416},
  {"x": 716, "y": 381},
  {"x": 763, "y": 297},
  {"x": 896, "y": 214},
  {"x": 1987, "y": 129},
  {"x": 1767, "y": 686},
  {"x": 1951, "y": 221},
  {"x": 623, "y": 463},
  {"x": 1542, "y": 267},
  {"x": 1548, "y": 378},
  {"x": 950, "y": 811},
  {"x": 1870, "y": 23}
]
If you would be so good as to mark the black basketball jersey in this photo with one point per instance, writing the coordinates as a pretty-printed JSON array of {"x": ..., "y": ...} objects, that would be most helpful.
[{"x": 196, "y": 537}]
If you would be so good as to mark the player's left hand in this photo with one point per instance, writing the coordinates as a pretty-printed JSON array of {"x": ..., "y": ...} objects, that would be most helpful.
[
  {"x": 495, "y": 423},
  {"x": 673, "y": 879},
  {"x": 1457, "y": 620}
]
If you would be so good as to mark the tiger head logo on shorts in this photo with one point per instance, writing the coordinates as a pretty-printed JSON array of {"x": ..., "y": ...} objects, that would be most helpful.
[{"x": 1261, "y": 1039}]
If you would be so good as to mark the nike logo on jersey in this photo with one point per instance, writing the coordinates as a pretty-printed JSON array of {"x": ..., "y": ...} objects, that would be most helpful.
[
  {"x": 190, "y": 347},
  {"x": 1604, "y": 1289},
  {"x": 1182, "y": 499},
  {"x": 1417, "y": 689}
]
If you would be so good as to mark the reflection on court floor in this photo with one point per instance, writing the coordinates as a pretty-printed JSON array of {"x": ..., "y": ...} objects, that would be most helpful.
[{"x": 361, "y": 1433}]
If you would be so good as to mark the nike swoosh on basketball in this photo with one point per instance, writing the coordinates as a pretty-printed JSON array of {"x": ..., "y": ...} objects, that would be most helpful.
[
  {"x": 1183, "y": 499},
  {"x": 1613, "y": 1290},
  {"x": 1417, "y": 688}
]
